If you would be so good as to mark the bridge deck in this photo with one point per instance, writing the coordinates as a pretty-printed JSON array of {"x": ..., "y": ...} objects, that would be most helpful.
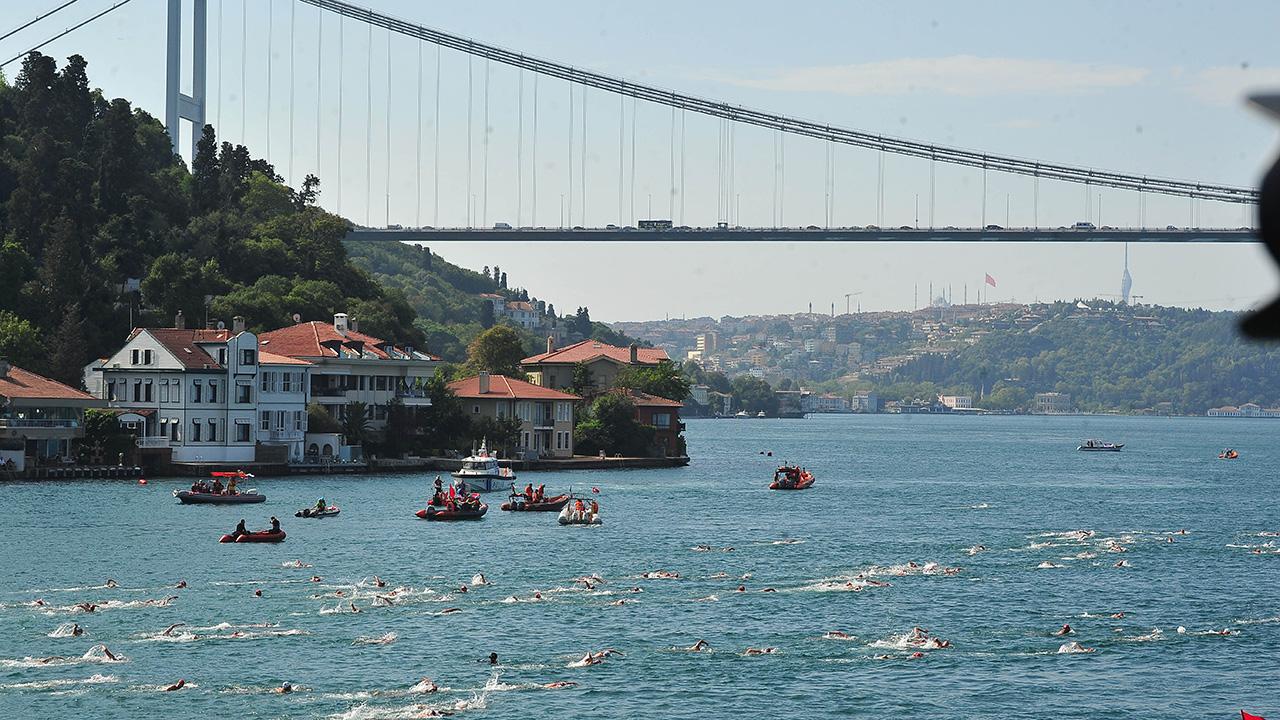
[{"x": 787, "y": 235}]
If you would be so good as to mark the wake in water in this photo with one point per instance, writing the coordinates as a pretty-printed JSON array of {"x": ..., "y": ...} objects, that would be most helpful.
[
  {"x": 100, "y": 654},
  {"x": 55, "y": 684},
  {"x": 66, "y": 630},
  {"x": 386, "y": 639},
  {"x": 916, "y": 639}
]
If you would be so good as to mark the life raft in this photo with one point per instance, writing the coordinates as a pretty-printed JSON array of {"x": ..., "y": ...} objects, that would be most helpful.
[
  {"x": 261, "y": 536},
  {"x": 517, "y": 503},
  {"x": 187, "y": 497},
  {"x": 1229, "y": 455},
  {"x": 431, "y": 512},
  {"x": 781, "y": 482},
  {"x": 569, "y": 516}
]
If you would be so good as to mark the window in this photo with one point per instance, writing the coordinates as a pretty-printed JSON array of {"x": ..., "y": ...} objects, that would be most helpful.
[
  {"x": 164, "y": 391},
  {"x": 197, "y": 388},
  {"x": 380, "y": 383},
  {"x": 147, "y": 356},
  {"x": 266, "y": 381},
  {"x": 175, "y": 392},
  {"x": 222, "y": 356},
  {"x": 135, "y": 356},
  {"x": 280, "y": 419},
  {"x": 379, "y": 412},
  {"x": 524, "y": 440},
  {"x": 287, "y": 382},
  {"x": 195, "y": 431},
  {"x": 244, "y": 393},
  {"x": 475, "y": 409},
  {"x": 564, "y": 412},
  {"x": 662, "y": 421},
  {"x": 264, "y": 420},
  {"x": 297, "y": 420},
  {"x": 242, "y": 432},
  {"x": 146, "y": 391},
  {"x": 175, "y": 433},
  {"x": 361, "y": 382},
  {"x": 247, "y": 357},
  {"x": 137, "y": 391},
  {"x": 213, "y": 430},
  {"x": 213, "y": 391},
  {"x": 111, "y": 389}
]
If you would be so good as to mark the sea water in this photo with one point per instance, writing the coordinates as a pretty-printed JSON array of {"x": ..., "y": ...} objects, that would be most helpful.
[{"x": 987, "y": 532}]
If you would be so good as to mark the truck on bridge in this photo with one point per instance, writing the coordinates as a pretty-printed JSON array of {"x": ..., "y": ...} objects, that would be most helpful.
[{"x": 654, "y": 224}]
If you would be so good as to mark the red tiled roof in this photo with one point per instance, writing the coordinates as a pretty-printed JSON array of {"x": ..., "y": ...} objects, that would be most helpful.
[
  {"x": 643, "y": 399},
  {"x": 491, "y": 296},
  {"x": 589, "y": 350},
  {"x": 183, "y": 344},
  {"x": 502, "y": 387},
  {"x": 19, "y": 383},
  {"x": 270, "y": 358},
  {"x": 304, "y": 340},
  {"x": 520, "y": 305}
]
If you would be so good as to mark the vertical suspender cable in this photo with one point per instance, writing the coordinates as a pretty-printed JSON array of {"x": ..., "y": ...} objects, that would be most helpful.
[
  {"x": 775, "y": 178},
  {"x": 533, "y": 157},
  {"x": 583, "y": 157},
  {"x": 671, "y": 159},
  {"x": 983, "y": 224},
  {"x": 270, "y": 38},
  {"x": 221, "y": 46},
  {"x": 417, "y": 183},
  {"x": 470, "y": 124},
  {"x": 782, "y": 179},
  {"x": 682, "y": 114},
  {"x": 932, "y": 163},
  {"x": 368, "y": 132},
  {"x": 484, "y": 138},
  {"x": 520, "y": 151},
  {"x": 633, "y": 161},
  {"x": 435, "y": 154},
  {"x": 342, "y": 33},
  {"x": 622, "y": 130},
  {"x": 569, "y": 214},
  {"x": 387, "y": 181},
  {"x": 244, "y": 77},
  {"x": 293, "y": 11},
  {"x": 319, "y": 84}
]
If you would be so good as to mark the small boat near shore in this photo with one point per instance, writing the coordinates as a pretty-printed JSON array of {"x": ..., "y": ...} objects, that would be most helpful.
[
  {"x": 187, "y": 497},
  {"x": 790, "y": 477},
  {"x": 580, "y": 515},
  {"x": 311, "y": 512},
  {"x": 519, "y": 503},
  {"x": 481, "y": 472},
  {"x": 431, "y": 512},
  {"x": 1228, "y": 454},
  {"x": 1099, "y": 446}
]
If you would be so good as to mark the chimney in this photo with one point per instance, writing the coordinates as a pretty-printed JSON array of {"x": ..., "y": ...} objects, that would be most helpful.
[
  {"x": 484, "y": 383},
  {"x": 635, "y": 354},
  {"x": 237, "y": 325},
  {"x": 551, "y": 344},
  {"x": 179, "y": 322},
  {"x": 355, "y": 324},
  {"x": 4, "y": 368},
  {"x": 340, "y": 323}
]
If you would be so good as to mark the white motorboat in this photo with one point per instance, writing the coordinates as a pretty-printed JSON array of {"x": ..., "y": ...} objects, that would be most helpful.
[{"x": 482, "y": 473}]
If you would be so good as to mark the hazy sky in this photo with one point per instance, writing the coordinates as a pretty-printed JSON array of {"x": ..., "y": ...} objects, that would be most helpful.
[{"x": 1144, "y": 87}]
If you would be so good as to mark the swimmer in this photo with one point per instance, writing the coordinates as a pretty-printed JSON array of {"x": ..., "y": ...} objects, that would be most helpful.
[
  {"x": 938, "y": 643},
  {"x": 462, "y": 588},
  {"x": 182, "y": 584},
  {"x": 916, "y": 655},
  {"x": 479, "y": 579},
  {"x": 354, "y": 609},
  {"x": 760, "y": 651},
  {"x": 537, "y": 595},
  {"x": 635, "y": 590},
  {"x": 1064, "y": 630},
  {"x": 449, "y": 611},
  {"x": 379, "y": 582},
  {"x": 257, "y": 593},
  {"x": 38, "y": 602},
  {"x": 386, "y": 601},
  {"x": 176, "y": 686},
  {"x": 316, "y": 578},
  {"x": 111, "y": 583},
  {"x": 837, "y": 635},
  {"x": 1116, "y": 616},
  {"x": 741, "y": 588},
  {"x": 76, "y": 630},
  {"x": 493, "y": 658},
  {"x": 284, "y": 689},
  {"x": 560, "y": 685},
  {"x": 426, "y": 686},
  {"x": 160, "y": 603},
  {"x": 1122, "y": 564},
  {"x": 769, "y": 589},
  {"x": 1074, "y": 647},
  {"x": 168, "y": 632},
  {"x": 699, "y": 646}
]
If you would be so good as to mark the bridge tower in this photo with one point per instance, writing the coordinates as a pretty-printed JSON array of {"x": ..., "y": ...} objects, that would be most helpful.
[{"x": 179, "y": 106}]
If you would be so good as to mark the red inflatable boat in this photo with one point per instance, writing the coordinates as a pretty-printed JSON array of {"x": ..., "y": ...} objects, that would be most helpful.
[
  {"x": 791, "y": 478},
  {"x": 431, "y": 512},
  {"x": 261, "y": 536},
  {"x": 517, "y": 503}
]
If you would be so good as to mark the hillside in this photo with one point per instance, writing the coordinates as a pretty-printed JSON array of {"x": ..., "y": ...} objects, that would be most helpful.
[{"x": 1108, "y": 357}]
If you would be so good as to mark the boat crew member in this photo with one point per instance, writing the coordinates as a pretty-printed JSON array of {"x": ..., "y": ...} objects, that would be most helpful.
[
  {"x": 275, "y": 524},
  {"x": 320, "y": 505},
  {"x": 240, "y": 529},
  {"x": 528, "y": 493},
  {"x": 539, "y": 494},
  {"x": 231, "y": 485}
]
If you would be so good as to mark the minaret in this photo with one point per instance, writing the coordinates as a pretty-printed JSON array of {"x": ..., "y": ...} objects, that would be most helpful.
[{"x": 1126, "y": 280}]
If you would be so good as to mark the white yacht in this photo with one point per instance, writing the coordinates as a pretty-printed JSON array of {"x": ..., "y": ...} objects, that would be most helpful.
[{"x": 482, "y": 473}]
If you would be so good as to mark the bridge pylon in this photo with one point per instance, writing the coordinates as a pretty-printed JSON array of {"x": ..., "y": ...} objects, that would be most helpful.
[{"x": 179, "y": 106}]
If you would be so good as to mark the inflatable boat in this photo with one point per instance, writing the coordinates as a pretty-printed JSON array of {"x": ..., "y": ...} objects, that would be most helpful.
[
  {"x": 431, "y": 512},
  {"x": 791, "y": 478},
  {"x": 311, "y": 512},
  {"x": 261, "y": 536},
  {"x": 187, "y": 497},
  {"x": 518, "y": 503}
]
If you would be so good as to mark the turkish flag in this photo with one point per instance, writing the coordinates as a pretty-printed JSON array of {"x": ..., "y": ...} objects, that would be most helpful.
[
  {"x": 991, "y": 281},
  {"x": 1246, "y": 716}
]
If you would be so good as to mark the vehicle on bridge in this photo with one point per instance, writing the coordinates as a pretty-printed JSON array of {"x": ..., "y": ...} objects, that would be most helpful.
[{"x": 654, "y": 224}]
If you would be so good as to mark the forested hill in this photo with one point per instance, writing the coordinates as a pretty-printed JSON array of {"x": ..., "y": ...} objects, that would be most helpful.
[
  {"x": 103, "y": 226},
  {"x": 1109, "y": 358}
]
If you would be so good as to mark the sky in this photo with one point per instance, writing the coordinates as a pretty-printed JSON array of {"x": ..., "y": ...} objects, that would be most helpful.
[{"x": 1148, "y": 87}]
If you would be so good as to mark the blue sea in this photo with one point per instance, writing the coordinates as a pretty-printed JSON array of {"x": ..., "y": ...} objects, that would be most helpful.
[{"x": 987, "y": 533}]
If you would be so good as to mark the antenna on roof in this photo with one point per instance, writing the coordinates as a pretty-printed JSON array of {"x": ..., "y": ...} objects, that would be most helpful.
[
  {"x": 222, "y": 325},
  {"x": 297, "y": 318}
]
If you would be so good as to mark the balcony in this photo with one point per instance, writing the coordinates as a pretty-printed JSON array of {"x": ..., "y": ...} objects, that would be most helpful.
[
  {"x": 283, "y": 435},
  {"x": 157, "y": 441},
  {"x": 413, "y": 398},
  {"x": 330, "y": 392}
]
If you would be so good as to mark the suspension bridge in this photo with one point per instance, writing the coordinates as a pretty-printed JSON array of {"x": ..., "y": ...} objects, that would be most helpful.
[{"x": 452, "y": 203}]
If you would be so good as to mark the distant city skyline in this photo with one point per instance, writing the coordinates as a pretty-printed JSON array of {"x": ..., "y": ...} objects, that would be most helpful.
[{"x": 1129, "y": 92}]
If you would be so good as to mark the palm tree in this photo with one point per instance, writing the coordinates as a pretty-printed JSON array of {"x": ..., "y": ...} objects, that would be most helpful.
[{"x": 355, "y": 426}]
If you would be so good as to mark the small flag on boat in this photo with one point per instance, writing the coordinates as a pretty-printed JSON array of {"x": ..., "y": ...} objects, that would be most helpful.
[
  {"x": 990, "y": 280},
  {"x": 1246, "y": 716},
  {"x": 595, "y": 490}
]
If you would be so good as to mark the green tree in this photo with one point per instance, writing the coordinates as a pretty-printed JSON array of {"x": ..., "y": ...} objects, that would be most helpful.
[
  {"x": 21, "y": 342},
  {"x": 581, "y": 382},
  {"x": 497, "y": 350},
  {"x": 610, "y": 425},
  {"x": 501, "y": 433},
  {"x": 320, "y": 421},
  {"x": 663, "y": 379},
  {"x": 754, "y": 395},
  {"x": 355, "y": 423}
]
